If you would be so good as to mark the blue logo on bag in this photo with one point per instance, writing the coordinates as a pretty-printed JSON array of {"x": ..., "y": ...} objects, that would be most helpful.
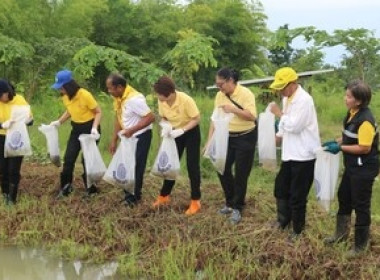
[
  {"x": 163, "y": 162},
  {"x": 120, "y": 174},
  {"x": 15, "y": 142}
]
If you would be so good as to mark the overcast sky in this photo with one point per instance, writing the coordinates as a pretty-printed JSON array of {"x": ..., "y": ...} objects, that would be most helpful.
[{"x": 325, "y": 15}]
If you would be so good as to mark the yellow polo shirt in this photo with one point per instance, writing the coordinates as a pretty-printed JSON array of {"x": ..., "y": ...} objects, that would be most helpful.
[
  {"x": 366, "y": 132},
  {"x": 246, "y": 99},
  {"x": 180, "y": 112},
  {"x": 118, "y": 102},
  {"x": 6, "y": 108},
  {"x": 81, "y": 106}
]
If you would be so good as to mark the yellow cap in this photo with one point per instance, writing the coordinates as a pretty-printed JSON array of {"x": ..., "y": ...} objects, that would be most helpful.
[{"x": 283, "y": 77}]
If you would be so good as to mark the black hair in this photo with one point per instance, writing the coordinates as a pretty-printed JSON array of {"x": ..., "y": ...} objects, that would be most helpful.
[
  {"x": 117, "y": 80},
  {"x": 71, "y": 88},
  {"x": 361, "y": 92},
  {"x": 227, "y": 74},
  {"x": 7, "y": 87},
  {"x": 164, "y": 86}
]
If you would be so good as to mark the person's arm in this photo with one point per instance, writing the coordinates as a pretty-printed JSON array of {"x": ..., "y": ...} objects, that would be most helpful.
[
  {"x": 192, "y": 123},
  {"x": 144, "y": 122},
  {"x": 355, "y": 149},
  {"x": 64, "y": 117},
  {"x": 115, "y": 137},
  {"x": 98, "y": 116}
]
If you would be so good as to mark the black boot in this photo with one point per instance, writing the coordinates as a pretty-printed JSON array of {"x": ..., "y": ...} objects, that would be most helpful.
[
  {"x": 65, "y": 191},
  {"x": 6, "y": 198},
  {"x": 283, "y": 214},
  {"x": 12, "y": 196},
  {"x": 342, "y": 230},
  {"x": 361, "y": 241},
  {"x": 298, "y": 219}
]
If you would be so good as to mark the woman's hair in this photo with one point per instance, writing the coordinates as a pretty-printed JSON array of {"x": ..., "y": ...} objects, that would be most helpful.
[
  {"x": 117, "y": 80},
  {"x": 6, "y": 86},
  {"x": 228, "y": 74},
  {"x": 164, "y": 86},
  {"x": 361, "y": 92},
  {"x": 71, "y": 88}
]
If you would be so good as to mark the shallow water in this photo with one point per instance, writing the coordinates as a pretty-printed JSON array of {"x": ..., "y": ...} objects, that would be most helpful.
[{"x": 32, "y": 264}]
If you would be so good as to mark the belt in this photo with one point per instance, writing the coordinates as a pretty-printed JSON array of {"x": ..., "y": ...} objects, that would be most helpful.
[{"x": 241, "y": 133}]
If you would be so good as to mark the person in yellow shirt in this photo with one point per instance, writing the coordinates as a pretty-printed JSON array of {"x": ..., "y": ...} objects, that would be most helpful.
[
  {"x": 85, "y": 115},
  {"x": 359, "y": 145},
  {"x": 239, "y": 100},
  {"x": 181, "y": 111},
  {"x": 9, "y": 167}
]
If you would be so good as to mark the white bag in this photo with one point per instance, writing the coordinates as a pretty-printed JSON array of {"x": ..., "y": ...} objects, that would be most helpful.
[
  {"x": 17, "y": 141},
  {"x": 217, "y": 148},
  {"x": 166, "y": 164},
  {"x": 121, "y": 171},
  {"x": 325, "y": 177},
  {"x": 52, "y": 140},
  {"x": 95, "y": 167},
  {"x": 267, "y": 140}
]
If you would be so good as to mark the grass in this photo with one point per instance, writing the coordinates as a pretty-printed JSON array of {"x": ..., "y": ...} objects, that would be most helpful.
[{"x": 165, "y": 244}]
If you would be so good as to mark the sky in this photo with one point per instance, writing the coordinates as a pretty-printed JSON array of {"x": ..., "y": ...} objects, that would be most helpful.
[{"x": 325, "y": 15}]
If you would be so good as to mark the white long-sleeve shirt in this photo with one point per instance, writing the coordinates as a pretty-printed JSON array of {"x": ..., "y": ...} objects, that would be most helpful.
[{"x": 299, "y": 127}]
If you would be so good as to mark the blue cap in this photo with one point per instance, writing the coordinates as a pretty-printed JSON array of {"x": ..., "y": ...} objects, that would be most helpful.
[{"x": 61, "y": 78}]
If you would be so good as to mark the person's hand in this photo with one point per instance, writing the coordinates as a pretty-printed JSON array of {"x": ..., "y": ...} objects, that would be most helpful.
[
  {"x": 55, "y": 123},
  {"x": 7, "y": 124},
  {"x": 327, "y": 143},
  {"x": 176, "y": 133},
  {"x": 127, "y": 132},
  {"x": 165, "y": 131},
  {"x": 95, "y": 133},
  {"x": 332, "y": 147},
  {"x": 275, "y": 109},
  {"x": 228, "y": 108},
  {"x": 29, "y": 121},
  {"x": 112, "y": 147}
]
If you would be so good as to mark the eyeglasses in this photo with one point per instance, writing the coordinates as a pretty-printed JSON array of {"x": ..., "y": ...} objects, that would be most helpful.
[{"x": 220, "y": 84}]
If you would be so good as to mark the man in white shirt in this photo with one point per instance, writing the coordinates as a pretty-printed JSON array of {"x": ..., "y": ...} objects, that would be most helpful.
[
  {"x": 133, "y": 118},
  {"x": 298, "y": 130}
]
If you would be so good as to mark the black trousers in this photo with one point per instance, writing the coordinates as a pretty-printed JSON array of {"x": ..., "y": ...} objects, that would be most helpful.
[
  {"x": 241, "y": 152},
  {"x": 191, "y": 140},
  {"x": 9, "y": 168},
  {"x": 292, "y": 184},
  {"x": 142, "y": 150},
  {"x": 73, "y": 149},
  {"x": 355, "y": 193}
]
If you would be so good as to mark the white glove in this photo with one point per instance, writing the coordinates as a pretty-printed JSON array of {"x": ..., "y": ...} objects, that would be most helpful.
[
  {"x": 95, "y": 133},
  {"x": 176, "y": 132},
  {"x": 55, "y": 123},
  {"x": 7, "y": 124}
]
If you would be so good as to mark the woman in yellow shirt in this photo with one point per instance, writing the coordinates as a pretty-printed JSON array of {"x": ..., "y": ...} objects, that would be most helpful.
[
  {"x": 85, "y": 116},
  {"x": 181, "y": 111},
  {"x": 9, "y": 167}
]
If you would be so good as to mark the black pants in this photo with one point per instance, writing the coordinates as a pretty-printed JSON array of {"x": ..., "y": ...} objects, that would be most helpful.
[
  {"x": 355, "y": 193},
  {"x": 241, "y": 152},
  {"x": 292, "y": 184},
  {"x": 72, "y": 151},
  {"x": 142, "y": 150},
  {"x": 191, "y": 140},
  {"x": 9, "y": 168}
]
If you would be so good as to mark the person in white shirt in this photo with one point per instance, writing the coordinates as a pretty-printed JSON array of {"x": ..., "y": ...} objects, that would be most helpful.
[
  {"x": 298, "y": 130},
  {"x": 133, "y": 118}
]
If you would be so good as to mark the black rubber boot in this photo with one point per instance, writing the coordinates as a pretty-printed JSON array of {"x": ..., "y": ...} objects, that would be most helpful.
[
  {"x": 12, "y": 196},
  {"x": 361, "y": 241},
  {"x": 298, "y": 219},
  {"x": 283, "y": 213},
  {"x": 65, "y": 191},
  {"x": 342, "y": 230}
]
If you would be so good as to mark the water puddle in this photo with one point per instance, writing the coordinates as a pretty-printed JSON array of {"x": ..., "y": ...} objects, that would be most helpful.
[{"x": 32, "y": 264}]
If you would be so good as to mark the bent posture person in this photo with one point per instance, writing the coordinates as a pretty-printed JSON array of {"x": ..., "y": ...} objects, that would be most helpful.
[
  {"x": 298, "y": 129},
  {"x": 133, "y": 118},
  {"x": 9, "y": 167},
  {"x": 359, "y": 145},
  {"x": 85, "y": 116},
  {"x": 239, "y": 100}
]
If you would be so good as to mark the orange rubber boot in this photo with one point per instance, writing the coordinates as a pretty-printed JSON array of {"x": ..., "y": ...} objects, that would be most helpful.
[
  {"x": 161, "y": 200},
  {"x": 194, "y": 207}
]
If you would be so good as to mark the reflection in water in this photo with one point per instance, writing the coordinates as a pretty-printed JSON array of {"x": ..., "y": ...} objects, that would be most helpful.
[{"x": 32, "y": 264}]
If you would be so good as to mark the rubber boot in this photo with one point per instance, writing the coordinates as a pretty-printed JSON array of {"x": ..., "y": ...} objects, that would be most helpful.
[
  {"x": 361, "y": 241},
  {"x": 65, "y": 190},
  {"x": 161, "y": 200},
  {"x": 92, "y": 190},
  {"x": 12, "y": 196},
  {"x": 283, "y": 214},
  {"x": 342, "y": 230}
]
